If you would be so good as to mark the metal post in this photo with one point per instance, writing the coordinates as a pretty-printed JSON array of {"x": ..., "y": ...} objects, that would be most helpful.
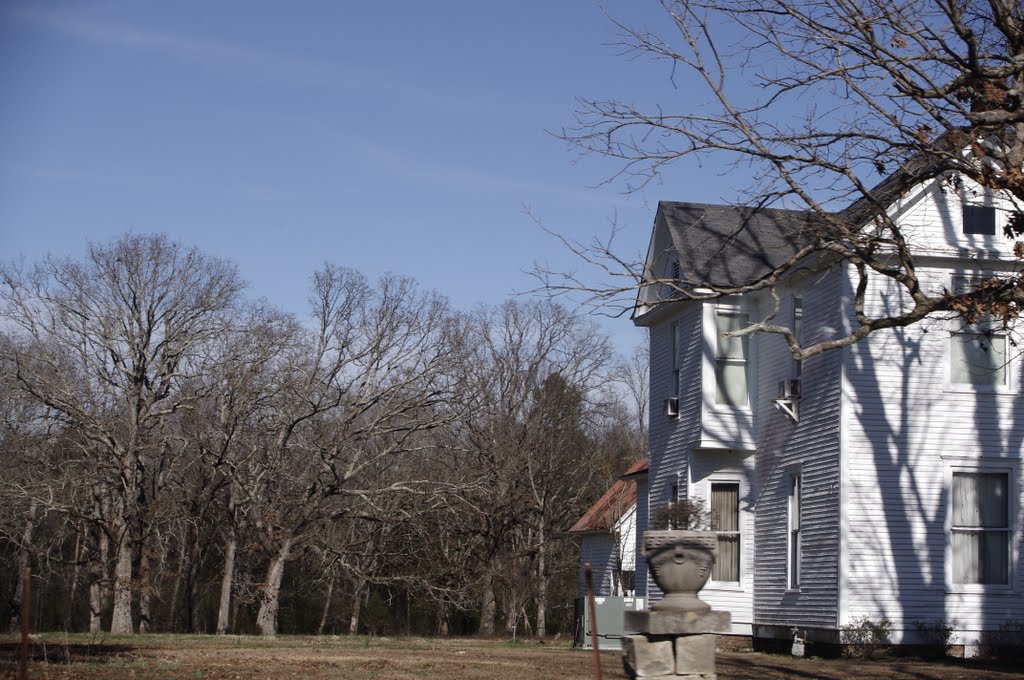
[
  {"x": 589, "y": 576},
  {"x": 26, "y": 578}
]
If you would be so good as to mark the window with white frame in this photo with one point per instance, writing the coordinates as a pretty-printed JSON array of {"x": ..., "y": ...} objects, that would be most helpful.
[
  {"x": 731, "y": 358},
  {"x": 977, "y": 352},
  {"x": 980, "y": 527},
  {"x": 795, "y": 549},
  {"x": 725, "y": 522},
  {"x": 674, "y": 329},
  {"x": 979, "y": 219}
]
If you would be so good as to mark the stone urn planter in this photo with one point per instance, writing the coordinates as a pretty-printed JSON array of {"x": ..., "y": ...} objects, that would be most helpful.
[
  {"x": 680, "y": 554},
  {"x": 680, "y": 562}
]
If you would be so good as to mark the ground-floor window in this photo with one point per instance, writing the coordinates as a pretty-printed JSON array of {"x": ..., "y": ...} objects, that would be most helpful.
[
  {"x": 725, "y": 522},
  {"x": 980, "y": 527},
  {"x": 794, "y": 539}
]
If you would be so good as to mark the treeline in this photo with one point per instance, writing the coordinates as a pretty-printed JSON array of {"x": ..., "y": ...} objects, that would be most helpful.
[{"x": 179, "y": 457}]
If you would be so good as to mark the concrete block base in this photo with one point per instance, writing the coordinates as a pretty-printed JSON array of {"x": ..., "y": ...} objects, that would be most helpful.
[
  {"x": 677, "y": 622},
  {"x": 672, "y": 645},
  {"x": 695, "y": 655},
  {"x": 644, "y": 657}
]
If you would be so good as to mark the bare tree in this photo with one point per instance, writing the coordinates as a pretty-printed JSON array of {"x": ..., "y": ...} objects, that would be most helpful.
[
  {"x": 353, "y": 393},
  {"x": 510, "y": 352},
  {"x": 106, "y": 343},
  {"x": 633, "y": 374},
  {"x": 821, "y": 97}
]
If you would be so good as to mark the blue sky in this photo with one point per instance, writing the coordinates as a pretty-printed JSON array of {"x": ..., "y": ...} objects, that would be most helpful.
[{"x": 390, "y": 137}]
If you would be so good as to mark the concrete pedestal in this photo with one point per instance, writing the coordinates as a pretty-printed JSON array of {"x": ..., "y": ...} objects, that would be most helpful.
[{"x": 672, "y": 644}]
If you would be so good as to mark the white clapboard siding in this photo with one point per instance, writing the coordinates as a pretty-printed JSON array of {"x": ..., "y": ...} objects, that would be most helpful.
[
  {"x": 906, "y": 427},
  {"x": 811, "y": 447},
  {"x": 671, "y": 438},
  {"x": 625, "y": 526},
  {"x": 641, "y": 526},
  {"x": 931, "y": 218}
]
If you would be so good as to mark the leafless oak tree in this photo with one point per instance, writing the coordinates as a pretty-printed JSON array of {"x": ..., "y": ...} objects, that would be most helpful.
[
  {"x": 106, "y": 343},
  {"x": 171, "y": 452}
]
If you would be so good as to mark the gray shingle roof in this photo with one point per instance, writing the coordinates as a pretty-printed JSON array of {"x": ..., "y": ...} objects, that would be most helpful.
[{"x": 725, "y": 246}]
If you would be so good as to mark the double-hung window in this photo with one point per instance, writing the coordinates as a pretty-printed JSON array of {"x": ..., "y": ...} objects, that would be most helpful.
[
  {"x": 977, "y": 352},
  {"x": 795, "y": 549},
  {"x": 674, "y": 329},
  {"x": 980, "y": 527},
  {"x": 731, "y": 358},
  {"x": 725, "y": 522}
]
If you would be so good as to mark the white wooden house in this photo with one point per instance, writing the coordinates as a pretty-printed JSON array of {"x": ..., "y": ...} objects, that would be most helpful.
[{"x": 878, "y": 480}]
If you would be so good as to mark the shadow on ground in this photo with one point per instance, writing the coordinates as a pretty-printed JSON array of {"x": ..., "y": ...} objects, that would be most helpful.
[{"x": 53, "y": 652}]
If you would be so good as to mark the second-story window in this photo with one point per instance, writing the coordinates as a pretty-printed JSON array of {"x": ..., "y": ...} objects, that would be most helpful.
[
  {"x": 977, "y": 352},
  {"x": 731, "y": 358},
  {"x": 675, "y": 360}
]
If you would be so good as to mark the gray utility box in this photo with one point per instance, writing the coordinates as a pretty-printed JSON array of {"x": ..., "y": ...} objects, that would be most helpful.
[{"x": 610, "y": 620}]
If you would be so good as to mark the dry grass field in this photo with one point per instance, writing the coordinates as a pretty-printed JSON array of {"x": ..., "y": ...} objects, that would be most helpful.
[{"x": 364, "y": 658}]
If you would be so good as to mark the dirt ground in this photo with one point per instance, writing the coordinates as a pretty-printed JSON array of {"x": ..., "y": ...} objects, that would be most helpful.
[{"x": 209, "y": 657}]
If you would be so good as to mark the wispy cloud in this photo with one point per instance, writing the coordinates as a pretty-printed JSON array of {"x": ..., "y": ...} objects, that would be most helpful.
[
  {"x": 136, "y": 181},
  {"x": 241, "y": 61},
  {"x": 456, "y": 178}
]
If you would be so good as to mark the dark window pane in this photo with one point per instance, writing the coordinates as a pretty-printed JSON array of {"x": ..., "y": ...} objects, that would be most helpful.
[{"x": 980, "y": 219}]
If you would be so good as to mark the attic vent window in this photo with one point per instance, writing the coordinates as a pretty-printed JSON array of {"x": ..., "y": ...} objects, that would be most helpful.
[{"x": 980, "y": 219}]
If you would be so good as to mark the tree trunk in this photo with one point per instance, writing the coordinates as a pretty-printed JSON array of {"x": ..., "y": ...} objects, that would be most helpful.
[
  {"x": 81, "y": 540},
  {"x": 225, "y": 582},
  {"x": 145, "y": 588},
  {"x": 228, "y": 575},
  {"x": 442, "y": 619},
  {"x": 488, "y": 608},
  {"x": 270, "y": 599},
  {"x": 408, "y": 613},
  {"x": 98, "y": 579},
  {"x": 511, "y": 618},
  {"x": 542, "y": 583},
  {"x": 357, "y": 604},
  {"x": 192, "y": 591},
  {"x": 327, "y": 607},
  {"x": 179, "y": 576},
  {"x": 121, "y": 619},
  {"x": 526, "y": 621},
  {"x": 23, "y": 560}
]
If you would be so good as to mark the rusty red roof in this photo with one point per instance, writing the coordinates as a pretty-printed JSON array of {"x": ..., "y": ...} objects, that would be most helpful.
[
  {"x": 638, "y": 468},
  {"x": 619, "y": 498}
]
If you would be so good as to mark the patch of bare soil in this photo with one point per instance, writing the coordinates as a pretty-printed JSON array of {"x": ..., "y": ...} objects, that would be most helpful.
[{"x": 212, "y": 658}]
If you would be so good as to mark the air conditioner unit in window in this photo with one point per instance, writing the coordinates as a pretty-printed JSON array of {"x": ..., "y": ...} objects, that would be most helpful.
[
  {"x": 789, "y": 389},
  {"x": 672, "y": 407}
]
